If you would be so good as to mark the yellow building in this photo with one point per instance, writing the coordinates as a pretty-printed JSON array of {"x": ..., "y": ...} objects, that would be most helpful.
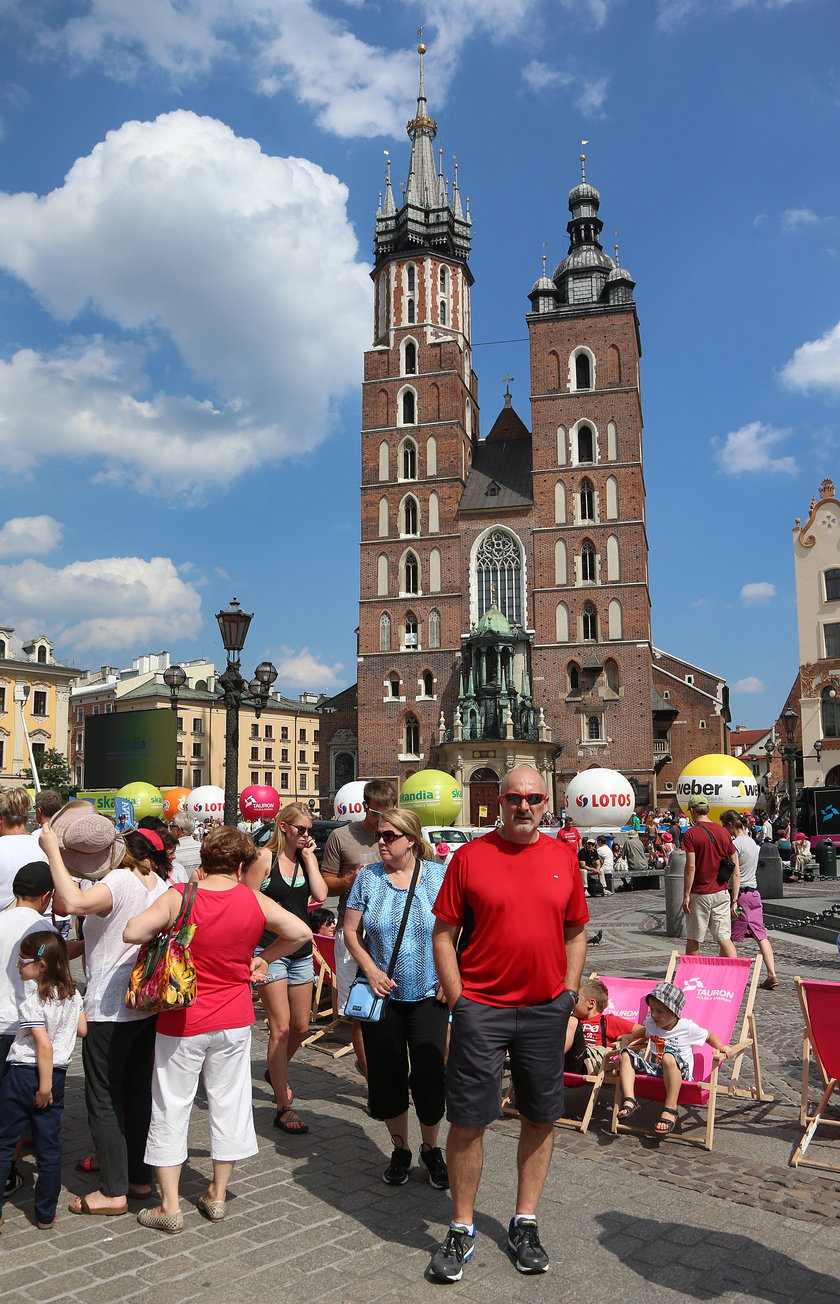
[{"x": 34, "y": 683}]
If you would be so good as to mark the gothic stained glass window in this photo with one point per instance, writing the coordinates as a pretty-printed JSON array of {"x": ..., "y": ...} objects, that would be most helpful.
[
  {"x": 498, "y": 567},
  {"x": 412, "y": 736},
  {"x": 384, "y": 632},
  {"x": 434, "y": 628}
]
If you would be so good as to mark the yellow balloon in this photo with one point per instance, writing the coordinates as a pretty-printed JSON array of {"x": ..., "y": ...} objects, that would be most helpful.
[
  {"x": 725, "y": 782},
  {"x": 434, "y": 795}
]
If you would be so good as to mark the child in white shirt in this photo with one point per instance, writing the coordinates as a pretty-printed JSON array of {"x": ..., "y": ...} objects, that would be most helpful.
[{"x": 671, "y": 1041}]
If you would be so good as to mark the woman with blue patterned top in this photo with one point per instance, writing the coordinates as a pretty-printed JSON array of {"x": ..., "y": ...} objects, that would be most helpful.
[{"x": 406, "y": 1048}]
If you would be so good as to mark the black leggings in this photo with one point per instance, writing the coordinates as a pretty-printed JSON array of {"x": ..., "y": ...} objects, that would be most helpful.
[{"x": 406, "y": 1052}]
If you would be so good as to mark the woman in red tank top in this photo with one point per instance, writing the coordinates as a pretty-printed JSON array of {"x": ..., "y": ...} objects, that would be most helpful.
[{"x": 212, "y": 1037}]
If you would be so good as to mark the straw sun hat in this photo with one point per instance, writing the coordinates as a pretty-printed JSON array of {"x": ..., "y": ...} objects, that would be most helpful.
[{"x": 90, "y": 845}]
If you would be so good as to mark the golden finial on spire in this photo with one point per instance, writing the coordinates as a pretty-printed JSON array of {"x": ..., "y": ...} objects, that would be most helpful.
[
  {"x": 615, "y": 247},
  {"x": 421, "y": 49},
  {"x": 545, "y": 255}
]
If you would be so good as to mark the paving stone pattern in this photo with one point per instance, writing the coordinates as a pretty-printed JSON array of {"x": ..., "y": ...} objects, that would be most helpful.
[{"x": 624, "y": 1218}]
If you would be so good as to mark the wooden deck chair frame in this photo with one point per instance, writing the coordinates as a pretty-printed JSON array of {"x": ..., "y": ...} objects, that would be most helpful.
[
  {"x": 811, "y": 1120},
  {"x": 747, "y": 1040},
  {"x": 325, "y": 969}
]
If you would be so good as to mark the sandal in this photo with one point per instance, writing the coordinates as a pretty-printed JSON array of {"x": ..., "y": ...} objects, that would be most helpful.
[
  {"x": 90, "y": 1164},
  {"x": 214, "y": 1210},
  {"x": 665, "y": 1125},
  {"x": 160, "y": 1221},
  {"x": 292, "y": 1122},
  {"x": 769, "y": 984},
  {"x": 629, "y": 1105},
  {"x": 80, "y": 1205}
]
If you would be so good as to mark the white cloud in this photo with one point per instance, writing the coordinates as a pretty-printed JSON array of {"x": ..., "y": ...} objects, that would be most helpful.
[
  {"x": 761, "y": 591},
  {"x": 303, "y": 670},
  {"x": 245, "y": 263},
  {"x": 815, "y": 364},
  {"x": 748, "y": 449},
  {"x": 749, "y": 685},
  {"x": 539, "y": 76},
  {"x": 109, "y": 603},
  {"x": 30, "y": 534},
  {"x": 670, "y": 13},
  {"x": 794, "y": 219}
]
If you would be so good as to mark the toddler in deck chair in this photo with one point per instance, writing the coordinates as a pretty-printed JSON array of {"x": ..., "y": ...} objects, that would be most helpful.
[
  {"x": 590, "y": 1032},
  {"x": 671, "y": 1041}
]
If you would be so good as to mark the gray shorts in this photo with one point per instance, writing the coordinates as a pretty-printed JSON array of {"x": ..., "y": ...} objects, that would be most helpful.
[{"x": 532, "y": 1034}]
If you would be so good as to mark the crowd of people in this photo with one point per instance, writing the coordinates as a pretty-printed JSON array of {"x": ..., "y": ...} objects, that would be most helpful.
[{"x": 447, "y": 956}]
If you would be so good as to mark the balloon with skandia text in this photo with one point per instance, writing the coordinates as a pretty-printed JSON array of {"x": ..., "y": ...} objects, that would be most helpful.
[
  {"x": 725, "y": 782},
  {"x": 173, "y": 801},
  {"x": 259, "y": 802},
  {"x": 206, "y": 803},
  {"x": 350, "y": 801},
  {"x": 434, "y": 796},
  {"x": 600, "y": 798},
  {"x": 146, "y": 799}
]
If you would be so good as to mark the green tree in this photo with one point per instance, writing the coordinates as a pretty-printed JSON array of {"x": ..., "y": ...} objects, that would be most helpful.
[{"x": 53, "y": 772}]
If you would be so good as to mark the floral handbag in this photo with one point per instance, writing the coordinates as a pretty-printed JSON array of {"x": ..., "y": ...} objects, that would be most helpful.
[{"x": 163, "y": 977}]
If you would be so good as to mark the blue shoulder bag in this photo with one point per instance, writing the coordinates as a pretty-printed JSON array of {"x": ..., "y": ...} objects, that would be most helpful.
[{"x": 362, "y": 1001}]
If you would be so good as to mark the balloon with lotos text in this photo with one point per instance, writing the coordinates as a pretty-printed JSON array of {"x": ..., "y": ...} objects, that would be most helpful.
[
  {"x": 206, "y": 803},
  {"x": 600, "y": 798},
  {"x": 349, "y": 803},
  {"x": 173, "y": 801},
  {"x": 145, "y": 798},
  {"x": 434, "y": 796},
  {"x": 259, "y": 802},
  {"x": 725, "y": 782}
]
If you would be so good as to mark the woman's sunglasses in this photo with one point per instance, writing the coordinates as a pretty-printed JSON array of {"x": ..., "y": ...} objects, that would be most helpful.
[{"x": 388, "y": 837}]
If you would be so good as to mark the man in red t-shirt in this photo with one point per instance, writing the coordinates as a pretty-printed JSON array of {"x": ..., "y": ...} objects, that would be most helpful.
[
  {"x": 510, "y": 945},
  {"x": 708, "y": 904}
]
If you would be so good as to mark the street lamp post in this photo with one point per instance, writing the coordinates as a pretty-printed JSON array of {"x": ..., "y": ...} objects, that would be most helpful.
[
  {"x": 788, "y": 750},
  {"x": 233, "y": 627}
]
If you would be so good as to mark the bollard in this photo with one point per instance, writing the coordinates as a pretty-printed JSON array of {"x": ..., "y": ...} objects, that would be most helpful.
[
  {"x": 674, "y": 892},
  {"x": 768, "y": 875}
]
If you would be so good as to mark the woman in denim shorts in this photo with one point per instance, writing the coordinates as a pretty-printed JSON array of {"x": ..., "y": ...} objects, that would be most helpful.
[{"x": 287, "y": 872}]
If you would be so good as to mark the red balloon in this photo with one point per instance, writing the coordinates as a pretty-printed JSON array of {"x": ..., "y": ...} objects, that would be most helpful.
[{"x": 259, "y": 802}]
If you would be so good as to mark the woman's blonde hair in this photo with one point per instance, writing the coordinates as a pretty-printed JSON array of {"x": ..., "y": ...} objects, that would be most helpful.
[
  {"x": 407, "y": 822},
  {"x": 277, "y": 841},
  {"x": 15, "y": 805}
]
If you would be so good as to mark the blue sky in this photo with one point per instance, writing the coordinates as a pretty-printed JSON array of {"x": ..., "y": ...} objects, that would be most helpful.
[{"x": 187, "y": 190}]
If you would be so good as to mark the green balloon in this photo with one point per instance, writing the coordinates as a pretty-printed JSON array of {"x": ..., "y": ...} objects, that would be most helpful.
[
  {"x": 434, "y": 796},
  {"x": 147, "y": 799}
]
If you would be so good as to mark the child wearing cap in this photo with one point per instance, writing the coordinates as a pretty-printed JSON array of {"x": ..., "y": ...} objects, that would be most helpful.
[{"x": 671, "y": 1041}]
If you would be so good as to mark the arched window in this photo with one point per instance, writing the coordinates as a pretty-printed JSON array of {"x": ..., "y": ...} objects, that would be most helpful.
[
  {"x": 498, "y": 573},
  {"x": 408, "y": 458},
  {"x": 830, "y": 708},
  {"x": 613, "y": 366},
  {"x": 560, "y": 563},
  {"x": 384, "y": 461},
  {"x": 2, "y": 647},
  {"x": 832, "y": 586},
  {"x": 394, "y": 685},
  {"x": 611, "y": 671},
  {"x": 442, "y": 280},
  {"x": 382, "y": 575},
  {"x": 434, "y": 513},
  {"x": 427, "y": 684},
  {"x": 42, "y": 654},
  {"x": 411, "y": 574},
  {"x": 573, "y": 679},
  {"x": 434, "y": 571},
  {"x": 410, "y": 358},
  {"x": 612, "y": 499},
  {"x": 431, "y": 456},
  {"x": 434, "y": 628},
  {"x": 442, "y": 312},
  {"x": 409, "y": 312},
  {"x": 560, "y": 503},
  {"x": 411, "y": 639},
  {"x": 613, "y": 567},
  {"x": 561, "y": 622},
  {"x": 615, "y": 620},
  {"x": 612, "y": 442},
  {"x": 583, "y": 371},
  {"x": 409, "y": 278},
  {"x": 585, "y": 444},
  {"x": 587, "y": 501},
  {"x": 562, "y": 435},
  {"x": 593, "y": 728},
  {"x": 412, "y": 736},
  {"x": 384, "y": 632},
  {"x": 409, "y": 408},
  {"x": 409, "y": 516},
  {"x": 589, "y": 624},
  {"x": 383, "y": 518},
  {"x": 433, "y": 403},
  {"x": 588, "y": 564},
  {"x": 553, "y": 370}
]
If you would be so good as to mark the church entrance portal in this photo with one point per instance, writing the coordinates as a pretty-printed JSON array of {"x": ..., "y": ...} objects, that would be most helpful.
[{"x": 484, "y": 798}]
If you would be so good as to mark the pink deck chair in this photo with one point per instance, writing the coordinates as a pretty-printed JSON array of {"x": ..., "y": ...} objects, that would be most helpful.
[
  {"x": 716, "y": 988},
  {"x": 820, "y": 1003},
  {"x": 323, "y": 953}
]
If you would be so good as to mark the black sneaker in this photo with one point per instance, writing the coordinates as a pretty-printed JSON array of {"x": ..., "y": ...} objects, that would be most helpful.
[
  {"x": 13, "y": 1182},
  {"x": 524, "y": 1245},
  {"x": 448, "y": 1259},
  {"x": 433, "y": 1158},
  {"x": 396, "y": 1174}
]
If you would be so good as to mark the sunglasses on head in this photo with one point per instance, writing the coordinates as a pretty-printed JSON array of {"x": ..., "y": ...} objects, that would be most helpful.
[
  {"x": 516, "y": 798},
  {"x": 389, "y": 836}
]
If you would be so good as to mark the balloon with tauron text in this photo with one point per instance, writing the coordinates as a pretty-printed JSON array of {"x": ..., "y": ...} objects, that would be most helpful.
[{"x": 259, "y": 801}]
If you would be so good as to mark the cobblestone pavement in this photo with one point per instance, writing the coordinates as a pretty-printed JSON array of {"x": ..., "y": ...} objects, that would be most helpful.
[{"x": 624, "y": 1218}]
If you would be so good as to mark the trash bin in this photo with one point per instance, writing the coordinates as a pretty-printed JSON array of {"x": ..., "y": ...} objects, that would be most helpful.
[
  {"x": 768, "y": 874},
  {"x": 825, "y": 854},
  {"x": 674, "y": 891}
]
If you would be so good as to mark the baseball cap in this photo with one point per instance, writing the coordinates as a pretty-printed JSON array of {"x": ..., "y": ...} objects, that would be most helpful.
[
  {"x": 33, "y": 879},
  {"x": 698, "y": 802}
]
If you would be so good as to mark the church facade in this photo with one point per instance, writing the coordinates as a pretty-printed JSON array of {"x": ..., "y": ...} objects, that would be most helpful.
[{"x": 504, "y": 610}]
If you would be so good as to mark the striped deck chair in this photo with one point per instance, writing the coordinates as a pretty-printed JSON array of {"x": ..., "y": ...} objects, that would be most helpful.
[
  {"x": 820, "y": 1003},
  {"x": 716, "y": 988}
]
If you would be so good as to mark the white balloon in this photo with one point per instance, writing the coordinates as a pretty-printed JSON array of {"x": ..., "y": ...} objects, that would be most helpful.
[
  {"x": 350, "y": 801},
  {"x": 600, "y": 798},
  {"x": 206, "y": 803}
]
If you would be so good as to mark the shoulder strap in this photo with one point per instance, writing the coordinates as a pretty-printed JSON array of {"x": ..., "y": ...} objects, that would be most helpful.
[
  {"x": 404, "y": 920},
  {"x": 183, "y": 916},
  {"x": 710, "y": 834}
]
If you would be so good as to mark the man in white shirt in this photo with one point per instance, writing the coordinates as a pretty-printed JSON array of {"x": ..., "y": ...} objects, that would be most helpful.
[
  {"x": 607, "y": 860},
  {"x": 188, "y": 854}
]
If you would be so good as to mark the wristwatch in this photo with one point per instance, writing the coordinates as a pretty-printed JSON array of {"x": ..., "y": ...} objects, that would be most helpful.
[{"x": 576, "y": 995}]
